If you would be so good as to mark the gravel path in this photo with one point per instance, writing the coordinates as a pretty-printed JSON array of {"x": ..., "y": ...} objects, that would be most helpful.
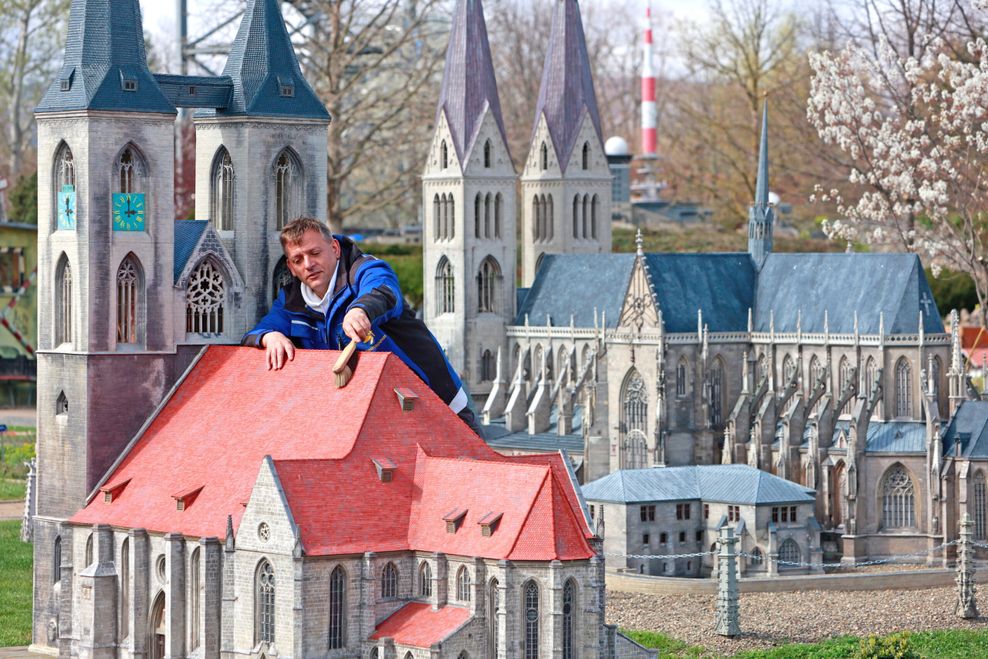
[{"x": 771, "y": 619}]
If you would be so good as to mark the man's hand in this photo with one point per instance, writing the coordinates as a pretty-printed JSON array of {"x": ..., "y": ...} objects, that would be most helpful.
[
  {"x": 278, "y": 350},
  {"x": 356, "y": 324}
]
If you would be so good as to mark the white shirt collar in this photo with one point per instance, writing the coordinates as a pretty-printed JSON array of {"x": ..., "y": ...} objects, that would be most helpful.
[{"x": 313, "y": 300}]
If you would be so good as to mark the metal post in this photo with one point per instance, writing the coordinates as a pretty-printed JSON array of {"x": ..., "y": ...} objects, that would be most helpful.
[
  {"x": 967, "y": 606},
  {"x": 727, "y": 616}
]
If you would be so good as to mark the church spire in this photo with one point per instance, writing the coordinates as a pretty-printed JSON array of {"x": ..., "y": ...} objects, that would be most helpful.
[
  {"x": 761, "y": 215},
  {"x": 469, "y": 87},
  {"x": 266, "y": 77},
  {"x": 105, "y": 65},
  {"x": 567, "y": 91}
]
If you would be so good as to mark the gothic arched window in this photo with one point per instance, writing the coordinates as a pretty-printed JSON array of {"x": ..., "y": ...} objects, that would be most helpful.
[
  {"x": 980, "y": 506},
  {"x": 531, "y": 594},
  {"x": 898, "y": 499},
  {"x": 205, "y": 295},
  {"x": 195, "y": 598},
  {"x": 570, "y": 625},
  {"x": 63, "y": 177},
  {"x": 487, "y": 285},
  {"x": 264, "y": 603},
  {"x": 717, "y": 392},
  {"x": 463, "y": 584},
  {"x": 788, "y": 553},
  {"x": 634, "y": 403},
  {"x": 389, "y": 581},
  {"x": 488, "y": 154},
  {"x": 536, "y": 219},
  {"x": 56, "y": 560},
  {"x": 337, "y": 608},
  {"x": 756, "y": 557},
  {"x": 843, "y": 380},
  {"x": 549, "y": 219},
  {"x": 544, "y": 157},
  {"x": 288, "y": 187},
  {"x": 493, "y": 607},
  {"x": 488, "y": 366},
  {"x": 445, "y": 287},
  {"x": 63, "y": 301},
  {"x": 129, "y": 171},
  {"x": 425, "y": 579},
  {"x": 443, "y": 155},
  {"x": 682, "y": 369},
  {"x": 476, "y": 215},
  {"x": 498, "y": 202},
  {"x": 451, "y": 219},
  {"x": 436, "y": 217},
  {"x": 130, "y": 300},
  {"x": 223, "y": 181},
  {"x": 89, "y": 551},
  {"x": 870, "y": 373},
  {"x": 903, "y": 388},
  {"x": 586, "y": 155},
  {"x": 788, "y": 369},
  {"x": 61, "y": 404}
]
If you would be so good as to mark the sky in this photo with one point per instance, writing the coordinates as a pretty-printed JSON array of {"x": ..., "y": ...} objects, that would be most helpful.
[{"x": 159, "y": 19}]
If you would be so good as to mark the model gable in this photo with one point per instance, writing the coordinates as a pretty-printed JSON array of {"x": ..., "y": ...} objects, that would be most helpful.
[
  {"x": 267, "y": 525},
  {"x": 488, "y": 154},
  {"x": 640, "y": 310},
  {"x": 543, "y": 159},
  {"x": 443, "y": 160}
]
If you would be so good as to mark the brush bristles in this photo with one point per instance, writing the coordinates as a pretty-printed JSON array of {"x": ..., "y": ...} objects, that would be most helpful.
[{"x": 343, "y": 377}]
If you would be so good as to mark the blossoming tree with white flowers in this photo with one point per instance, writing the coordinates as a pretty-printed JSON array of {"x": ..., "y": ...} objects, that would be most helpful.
[{"x": 915, "y": 131}]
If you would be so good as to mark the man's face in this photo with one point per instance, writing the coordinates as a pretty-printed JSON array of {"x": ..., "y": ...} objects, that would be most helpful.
[{"x": 313, "y": 260}]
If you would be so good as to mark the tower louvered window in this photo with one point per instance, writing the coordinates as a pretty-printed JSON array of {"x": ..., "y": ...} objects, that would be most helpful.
[
  {"x": 223, "y": 181},
  {"x": 204, "y": 298},
  {"x": 586, "y": 155},
  {"x": 576, "y": 216},
  {"x": 130, "y": 291},
  {"x": 531, "y": 620},
  {"x": 63, "y": 302},
  {"x": 898, "y": 499},
  {"x": 264, "y": 603},
  {"x": 288, "y": 188},
  {"x": 544, "y": 157},
  {"x": 130, "y": 171},
  {"x": 586, "y": 215},
  {"x": 488, "y": 154},
  {"x": 445, "y": 287},
  {"x": 488, "y": 366},
  {"x": 487, "y": 285},
  {"x": 337, "y": 608},
  {"x": 443, "y": 155},
  {"x": 64, "y": 184},
  {"x": 498, "y": 203},
  {"x": 477, "y": 201},
  {"x": 594, "y": 204},
  {"x": 488, "y": 202}
]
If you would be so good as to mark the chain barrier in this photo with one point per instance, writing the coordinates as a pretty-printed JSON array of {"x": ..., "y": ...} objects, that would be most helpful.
[{"x": 763, "y": 557}]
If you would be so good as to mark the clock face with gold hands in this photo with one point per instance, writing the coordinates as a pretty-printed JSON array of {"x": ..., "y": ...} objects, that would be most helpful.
[{"x": 128, "y": 211}]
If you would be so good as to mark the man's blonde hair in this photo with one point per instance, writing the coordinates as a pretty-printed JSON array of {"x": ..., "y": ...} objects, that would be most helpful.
[{"x": 294, "y": 230}]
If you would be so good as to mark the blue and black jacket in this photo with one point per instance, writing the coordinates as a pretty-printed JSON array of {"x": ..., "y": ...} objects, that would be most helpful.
[{"x": 364, "y": 282}]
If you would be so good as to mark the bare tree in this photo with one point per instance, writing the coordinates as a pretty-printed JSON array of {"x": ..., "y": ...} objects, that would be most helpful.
[
  {"x": 32, "y": 34},
  {"x": 377, "y": 66}
]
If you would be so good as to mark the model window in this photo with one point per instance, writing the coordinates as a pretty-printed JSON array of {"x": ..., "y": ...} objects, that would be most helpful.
[
  {"x": 337, "y": 608},
  {"x": 223, "y": 182},
  {"x": 463, "y": 584},
  {"x": 389, "y": 582},
  {"x": 204, "y": 297},
  {"x": 445, "y": 287},
  {"x": 531, "y": 620},
  {"x": 288, "y": 187},
  {"x": 264, "y": 603},
  {"x": 130, "y": 299}
]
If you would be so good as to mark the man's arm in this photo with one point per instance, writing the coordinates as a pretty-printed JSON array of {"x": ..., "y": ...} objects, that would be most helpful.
[
  {"x": 271, "y": 335},
  {"x": 378, "y": 292}
]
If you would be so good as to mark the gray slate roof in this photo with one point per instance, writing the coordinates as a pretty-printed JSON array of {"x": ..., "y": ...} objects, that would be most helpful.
[
  {"x": 736, "y": 484},
  {"x": 206, "y": 91},
  {"x": 722, "y": 285},
  {"x": 261, "y": 60},
  {"x": 187, "y": 236},
  {"x": 968, "y": 429},
  {"x": 469, "y": 86},
  {"x": 567, "y": 91},
  {"x": 840, "y": 284},
  {"x": 577, "y": 284},
  {"x": 896, "y": 437},
  {"x": 498, "y": 437},
  {"x": 105, "y": 47}
]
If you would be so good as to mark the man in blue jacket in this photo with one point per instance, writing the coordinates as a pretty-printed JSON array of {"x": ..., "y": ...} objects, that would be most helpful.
[{"x": 337, "y": 295}]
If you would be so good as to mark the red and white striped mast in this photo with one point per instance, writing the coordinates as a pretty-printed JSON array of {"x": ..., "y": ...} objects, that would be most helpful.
[{"x": 648, "y": 91}]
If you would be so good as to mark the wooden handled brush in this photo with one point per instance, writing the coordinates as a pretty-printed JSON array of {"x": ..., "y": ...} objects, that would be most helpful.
[{"x": 346, "y": 363}]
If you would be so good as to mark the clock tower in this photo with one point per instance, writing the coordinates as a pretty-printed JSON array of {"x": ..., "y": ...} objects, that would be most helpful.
[{"x": 107, "y": 350}]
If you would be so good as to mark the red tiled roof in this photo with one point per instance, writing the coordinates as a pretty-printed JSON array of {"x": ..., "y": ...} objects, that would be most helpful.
[
  {"x": 970, "y": 335},
  {"x": 418, "y": 625},
  {"x": 230, "y": 411}
]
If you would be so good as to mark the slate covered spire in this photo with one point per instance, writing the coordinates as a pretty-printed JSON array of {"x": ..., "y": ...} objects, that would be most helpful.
[
  {"x": 469, "y": 86},
  {"x": 266, "y": 77},
  {"x": 761, "y": 216},
  {"x": 105, "y": 66},
  {"x": 567, "y": 91}
]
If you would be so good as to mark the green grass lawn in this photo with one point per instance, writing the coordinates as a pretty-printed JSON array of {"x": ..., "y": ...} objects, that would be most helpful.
[
  {"x": 11, "y": 489},
  {"x": 946, "y": 644},
  {"x": 15, "y": 586}
]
